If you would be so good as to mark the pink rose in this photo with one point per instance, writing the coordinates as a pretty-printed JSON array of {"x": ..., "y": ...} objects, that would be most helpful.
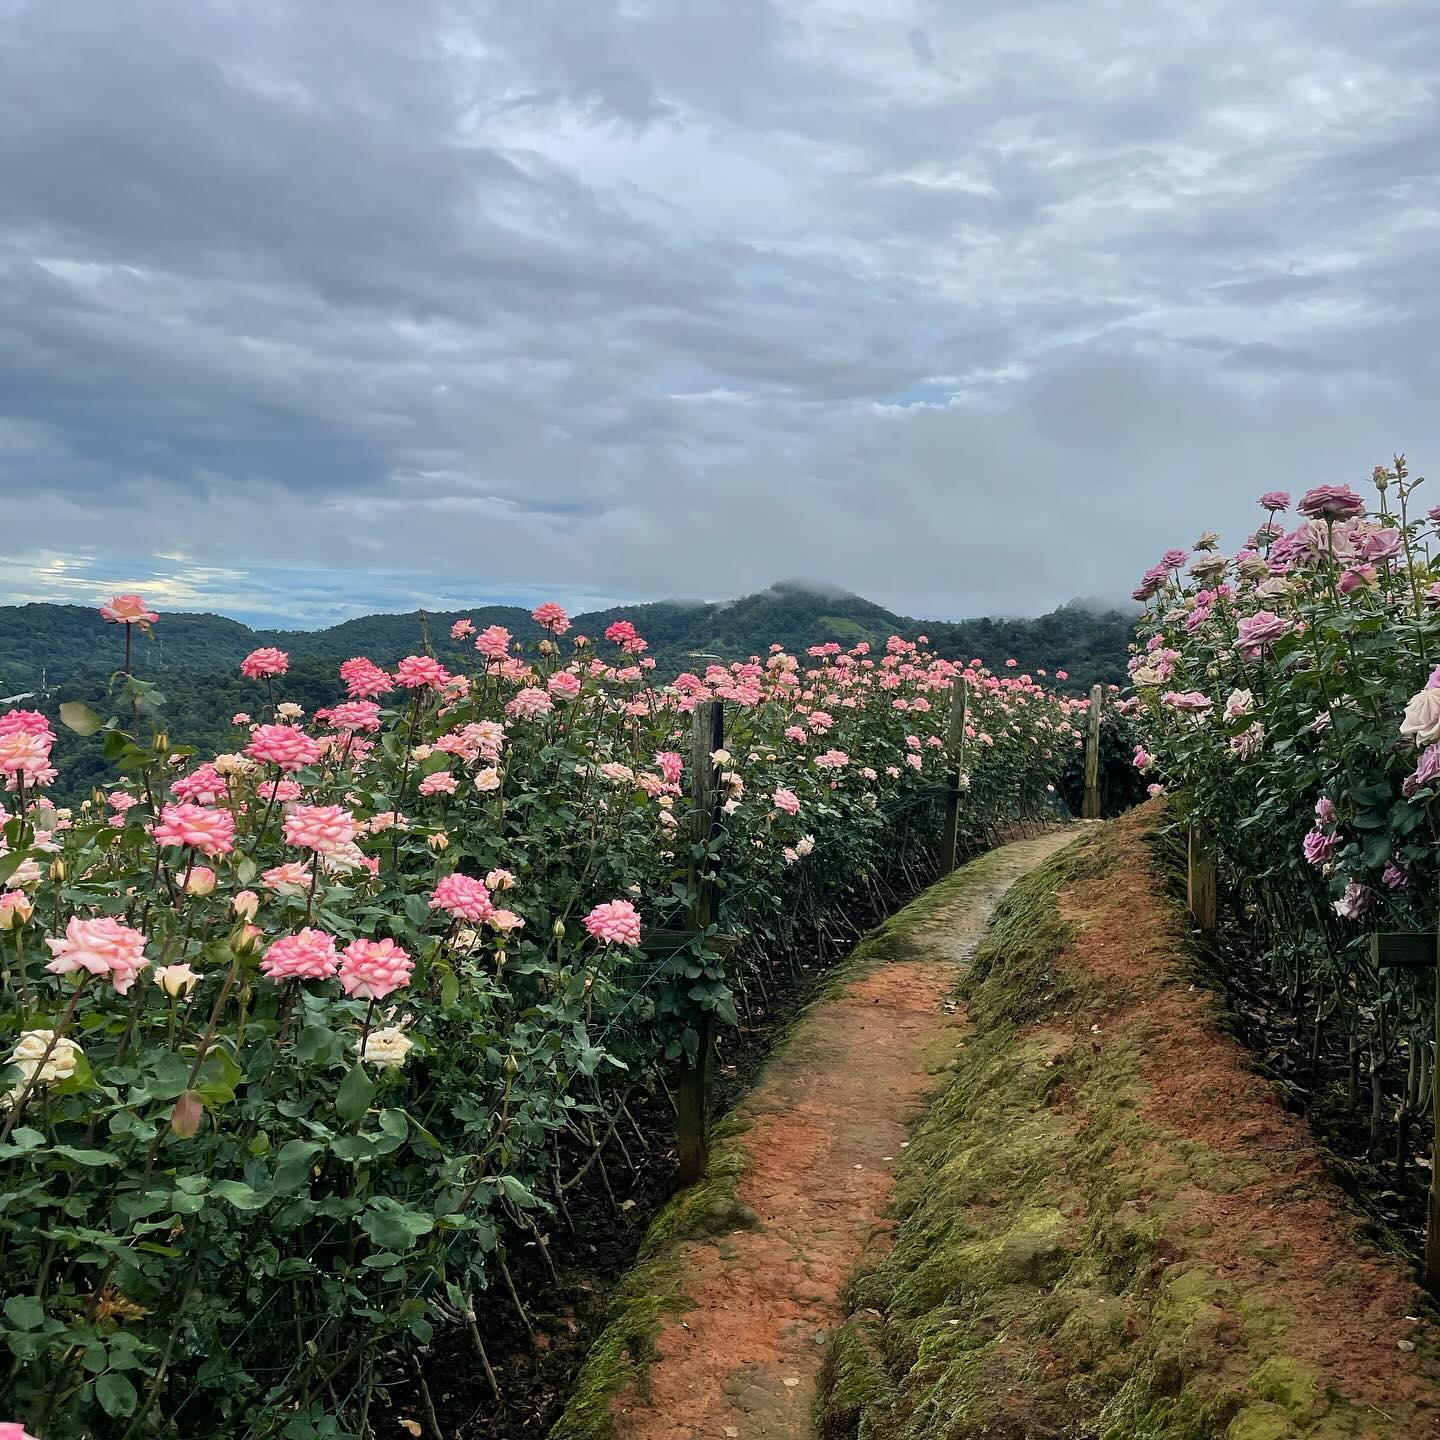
[
  {"x": 463, "y": 897},
  {"x": 1261, "y": 629},
  {"x": 322, "y": 828},
  {"x": 364, "y": 679},
  {"x": 284, "y": 745},
  {"x": 551, "y": 617},
  {"x": 211, "y": 832},
  {"x": 128, "y": 610},
  {"x": 259, "y": 664},
  {"x": 101, "y": 947},
  {"x": 306, "y": 955},
  {"x": 418, "y": 672},
  {"x": 371, "y": 969},
  {"x": 1331, "y": 502},
  {"x": 493, "y": 642},
  {"x": 618, "y": 922}
]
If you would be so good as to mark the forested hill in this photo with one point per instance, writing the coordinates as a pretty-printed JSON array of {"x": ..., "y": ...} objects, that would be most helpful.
[{"x": 67, "y": 641}]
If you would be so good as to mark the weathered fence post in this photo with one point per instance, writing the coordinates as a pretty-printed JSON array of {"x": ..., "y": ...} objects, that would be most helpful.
[
  {"x": 955, "y": 752},
  {"x": 692, "y": 1097},
  {"x": 1090, "y": 807},
  {"x": 1200, "y": 884}
]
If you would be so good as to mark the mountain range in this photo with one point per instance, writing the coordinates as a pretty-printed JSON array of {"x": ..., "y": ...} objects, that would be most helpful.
[{"x": 62, "y": 642}]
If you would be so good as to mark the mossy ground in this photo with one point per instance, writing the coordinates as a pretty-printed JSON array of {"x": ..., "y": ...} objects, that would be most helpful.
[{"x": 1060, "y": 1266}]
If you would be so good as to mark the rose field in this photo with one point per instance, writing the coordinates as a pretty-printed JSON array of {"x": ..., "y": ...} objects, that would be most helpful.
[
  {"x": 313, "y": 1044},
  {"x": 472, "y": 1055}
]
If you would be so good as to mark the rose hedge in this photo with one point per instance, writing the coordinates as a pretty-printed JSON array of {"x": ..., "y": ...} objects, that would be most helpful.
[
  {"x": 295, "y": 1031},
  {"x": 1289, "y": 698}
]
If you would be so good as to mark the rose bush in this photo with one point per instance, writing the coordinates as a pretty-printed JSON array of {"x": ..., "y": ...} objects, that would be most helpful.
[
  {"x": 295, "y": 1032},
  {"x": 1288, "y": 696}
]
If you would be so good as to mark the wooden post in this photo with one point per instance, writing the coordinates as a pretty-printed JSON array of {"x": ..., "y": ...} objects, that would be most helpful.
[
  {"x": 955, "y": 750},
  {"x": 692, "y": 1097},
  {"x": 1090, "y": 808},
  {"x": 1200, "y": 889}
]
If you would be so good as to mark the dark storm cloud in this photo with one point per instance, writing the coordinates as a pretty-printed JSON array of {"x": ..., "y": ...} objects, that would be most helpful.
[{"x": 521, "y": 298}]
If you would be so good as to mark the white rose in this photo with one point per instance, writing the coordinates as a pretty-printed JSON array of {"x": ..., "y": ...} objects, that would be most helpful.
[
  {"x": 387, "y": 1048},
  {"x": 30, "y": 1049},
  {"x": 1422, "y": 717},
  {"x": 175, "y": 979}
]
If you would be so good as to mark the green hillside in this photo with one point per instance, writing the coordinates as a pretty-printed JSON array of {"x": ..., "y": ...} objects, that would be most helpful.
[{"x": 63, "y": 642}]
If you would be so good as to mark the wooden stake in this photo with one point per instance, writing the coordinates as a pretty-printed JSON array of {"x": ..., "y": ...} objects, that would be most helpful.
[
  {"x": 955, "y": 750},
  {"x": 1090, "y": 809},
  {"x": 692, "y": 1097},
  {"x": 1200, "y": 880}
]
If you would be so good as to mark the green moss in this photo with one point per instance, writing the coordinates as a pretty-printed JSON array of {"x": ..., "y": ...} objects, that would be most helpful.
[
  {"x": 1261, "y": 1422},
  {"x": 857, "y": 1389},
  {"x": 1284, "y": 1381},
  {"x": 1013, "y": 979},
  {"x": 1141, "y": 1411}
]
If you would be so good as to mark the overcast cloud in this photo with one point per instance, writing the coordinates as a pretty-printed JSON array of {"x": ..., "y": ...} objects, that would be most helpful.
[{"x": 312, "y": 307}]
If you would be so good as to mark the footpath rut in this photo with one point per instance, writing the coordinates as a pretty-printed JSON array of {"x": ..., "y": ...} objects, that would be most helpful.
[{"x": 825, "y": 1128}]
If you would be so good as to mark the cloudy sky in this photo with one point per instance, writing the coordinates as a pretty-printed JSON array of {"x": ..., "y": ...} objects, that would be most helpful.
[{"x": 314, "y": 307}]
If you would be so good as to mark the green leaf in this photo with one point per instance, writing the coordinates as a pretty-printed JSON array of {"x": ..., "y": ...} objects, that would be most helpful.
[
  {"x": 394, "y": 1228},
  {"x": 79, "y": 718},
  {"x": 393, "y": 1122},
  {"x": 449, "y": 990},
  {"x": 24, "y": 1312},
  {"x": 292, "y": 1165},
  {"x": 417, "y": 910},
  {"x": 517, "y": 1192},
  {"x": 239, "y": 1194},
  {"x": 353, "y": 1098},
  {"x": 84, "y": 1157},
  {"x": 25, "y": 1138},
  {"x": 116, "y": 1394},
  {"x": 354, "y": 1147}
]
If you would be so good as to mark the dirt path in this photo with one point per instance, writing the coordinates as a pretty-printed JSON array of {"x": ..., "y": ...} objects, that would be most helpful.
[{"x": 825, "y": 1127}]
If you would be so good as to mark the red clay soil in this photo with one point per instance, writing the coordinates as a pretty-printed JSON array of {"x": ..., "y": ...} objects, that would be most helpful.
[
  {"x": 827, "y": 1124},
  {"x": 1286, "y": 1237}
]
